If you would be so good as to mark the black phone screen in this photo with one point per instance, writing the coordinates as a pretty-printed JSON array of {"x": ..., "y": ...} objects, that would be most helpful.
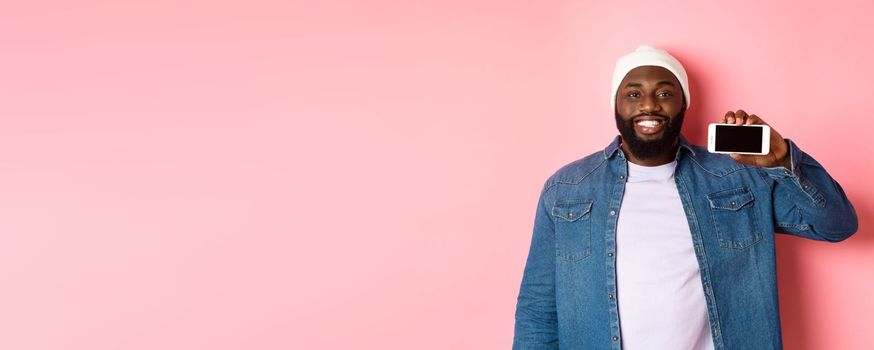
[{"x": 730, "y": 138}]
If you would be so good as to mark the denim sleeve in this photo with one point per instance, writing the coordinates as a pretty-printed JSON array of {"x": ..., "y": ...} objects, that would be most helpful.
[
  {"x": 808, "y": 202},
  {"x": 536, "y": 318}
]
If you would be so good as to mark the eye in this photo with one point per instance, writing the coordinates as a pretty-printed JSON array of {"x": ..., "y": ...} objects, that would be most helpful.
[
  {"x": 665, "y": 94},
  {"x": 633, "y": 94}
]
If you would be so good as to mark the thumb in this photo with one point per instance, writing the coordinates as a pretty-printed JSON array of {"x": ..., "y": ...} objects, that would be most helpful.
[{"x": 740, "y": 158}]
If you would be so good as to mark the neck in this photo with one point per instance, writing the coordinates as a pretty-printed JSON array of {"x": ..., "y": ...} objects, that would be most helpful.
[{"x": 661, "y": 159}]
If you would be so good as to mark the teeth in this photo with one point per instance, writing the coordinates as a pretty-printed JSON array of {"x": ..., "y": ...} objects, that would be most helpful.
[{"x": 648, "y": 123}]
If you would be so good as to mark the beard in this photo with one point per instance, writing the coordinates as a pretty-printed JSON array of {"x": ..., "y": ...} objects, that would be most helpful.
[{"x": 650, "y": 149}]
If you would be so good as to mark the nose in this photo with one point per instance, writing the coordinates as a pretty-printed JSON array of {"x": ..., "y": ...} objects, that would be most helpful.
[{"x": 648, "y": 104}]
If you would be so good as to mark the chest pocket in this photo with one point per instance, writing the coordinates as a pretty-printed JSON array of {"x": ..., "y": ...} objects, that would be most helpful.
[
  {"x": 734, "y": 218},
  {"x": 573, "y": 229}
]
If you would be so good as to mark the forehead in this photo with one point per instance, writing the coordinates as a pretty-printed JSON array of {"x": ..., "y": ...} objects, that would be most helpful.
[{"x": 649, "y": 75}]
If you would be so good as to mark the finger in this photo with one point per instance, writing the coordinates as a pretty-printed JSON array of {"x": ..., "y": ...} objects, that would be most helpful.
[
  {"x": 741, "y": 117},
  {"x": 753, "y": 119},
  {"x": 728, "y": 118}
]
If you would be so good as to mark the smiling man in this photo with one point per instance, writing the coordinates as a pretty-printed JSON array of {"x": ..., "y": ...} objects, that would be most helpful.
[{"x": 654, "y": 243}]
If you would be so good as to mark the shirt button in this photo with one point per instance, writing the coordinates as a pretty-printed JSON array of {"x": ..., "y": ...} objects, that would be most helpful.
[
  {"x": 570, "y": 214},
  {"x": 733, "y": 203},
  {"x": 621, "y": 177},
  {"x": 805, "y": 186},
  {"x": 787, "y": 172},
  {"x": 615, "y": 338},
  {"x": 612, "y": 212},
  {"x": 610, "y": 254},
  {"x": 610, "y": 296}
]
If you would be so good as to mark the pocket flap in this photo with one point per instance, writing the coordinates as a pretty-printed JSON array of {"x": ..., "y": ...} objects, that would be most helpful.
[
  {"x": 731, "y": 199},
  {"x": 571, "y": 210}
]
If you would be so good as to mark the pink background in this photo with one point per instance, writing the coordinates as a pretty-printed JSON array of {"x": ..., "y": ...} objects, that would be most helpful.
[{"x": 363, "y": 175}]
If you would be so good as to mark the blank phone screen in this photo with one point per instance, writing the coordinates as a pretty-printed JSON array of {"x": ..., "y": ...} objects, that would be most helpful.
[{"x": 738, "y": 139}]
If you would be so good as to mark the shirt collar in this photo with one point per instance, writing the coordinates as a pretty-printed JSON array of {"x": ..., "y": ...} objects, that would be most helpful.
[{"x": 614, "y": 146}]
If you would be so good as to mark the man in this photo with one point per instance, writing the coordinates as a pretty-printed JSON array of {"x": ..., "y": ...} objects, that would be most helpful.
[{"x": 654, "y": 243}]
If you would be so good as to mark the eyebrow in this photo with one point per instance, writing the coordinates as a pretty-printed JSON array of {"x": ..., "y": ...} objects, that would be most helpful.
[{"x": 663, "y": 82}]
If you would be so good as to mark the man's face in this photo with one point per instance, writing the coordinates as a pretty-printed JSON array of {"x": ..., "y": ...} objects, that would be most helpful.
[{"x": 649, "y": 110}]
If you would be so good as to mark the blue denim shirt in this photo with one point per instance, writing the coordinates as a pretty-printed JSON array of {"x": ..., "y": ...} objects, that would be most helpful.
[{"x": 567, "y": 298}]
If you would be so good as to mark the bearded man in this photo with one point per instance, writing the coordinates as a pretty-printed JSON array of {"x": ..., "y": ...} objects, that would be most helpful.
[{"x": 654, "y": 243}]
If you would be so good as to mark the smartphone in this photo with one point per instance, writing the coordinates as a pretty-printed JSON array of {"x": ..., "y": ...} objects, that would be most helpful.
[{"x": 744, "y": 139}]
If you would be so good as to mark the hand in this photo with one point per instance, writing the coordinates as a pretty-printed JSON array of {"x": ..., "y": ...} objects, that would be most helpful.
[{"x": 779, "y": 155}]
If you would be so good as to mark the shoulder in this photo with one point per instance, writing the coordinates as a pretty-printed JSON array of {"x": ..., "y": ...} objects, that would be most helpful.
[
  {"x": 716, "y": 164},
  {"x": 577, "y": 170}
]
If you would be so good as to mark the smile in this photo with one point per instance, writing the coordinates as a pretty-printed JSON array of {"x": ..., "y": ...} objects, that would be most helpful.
[{"x": 651, "y": 123}]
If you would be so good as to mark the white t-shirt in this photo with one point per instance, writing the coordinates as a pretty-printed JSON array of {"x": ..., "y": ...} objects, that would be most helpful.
[{"x": 660, "y": 295}]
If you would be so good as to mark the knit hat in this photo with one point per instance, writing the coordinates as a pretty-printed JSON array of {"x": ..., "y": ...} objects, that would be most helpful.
[{"x": 646, "y": 55}]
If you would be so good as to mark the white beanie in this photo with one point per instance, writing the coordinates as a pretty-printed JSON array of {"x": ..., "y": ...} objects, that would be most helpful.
[{"x": 646, "y": 55}]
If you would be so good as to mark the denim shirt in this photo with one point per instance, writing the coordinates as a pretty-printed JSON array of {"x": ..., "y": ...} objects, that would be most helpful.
[{"x": 567, "y": 297}]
